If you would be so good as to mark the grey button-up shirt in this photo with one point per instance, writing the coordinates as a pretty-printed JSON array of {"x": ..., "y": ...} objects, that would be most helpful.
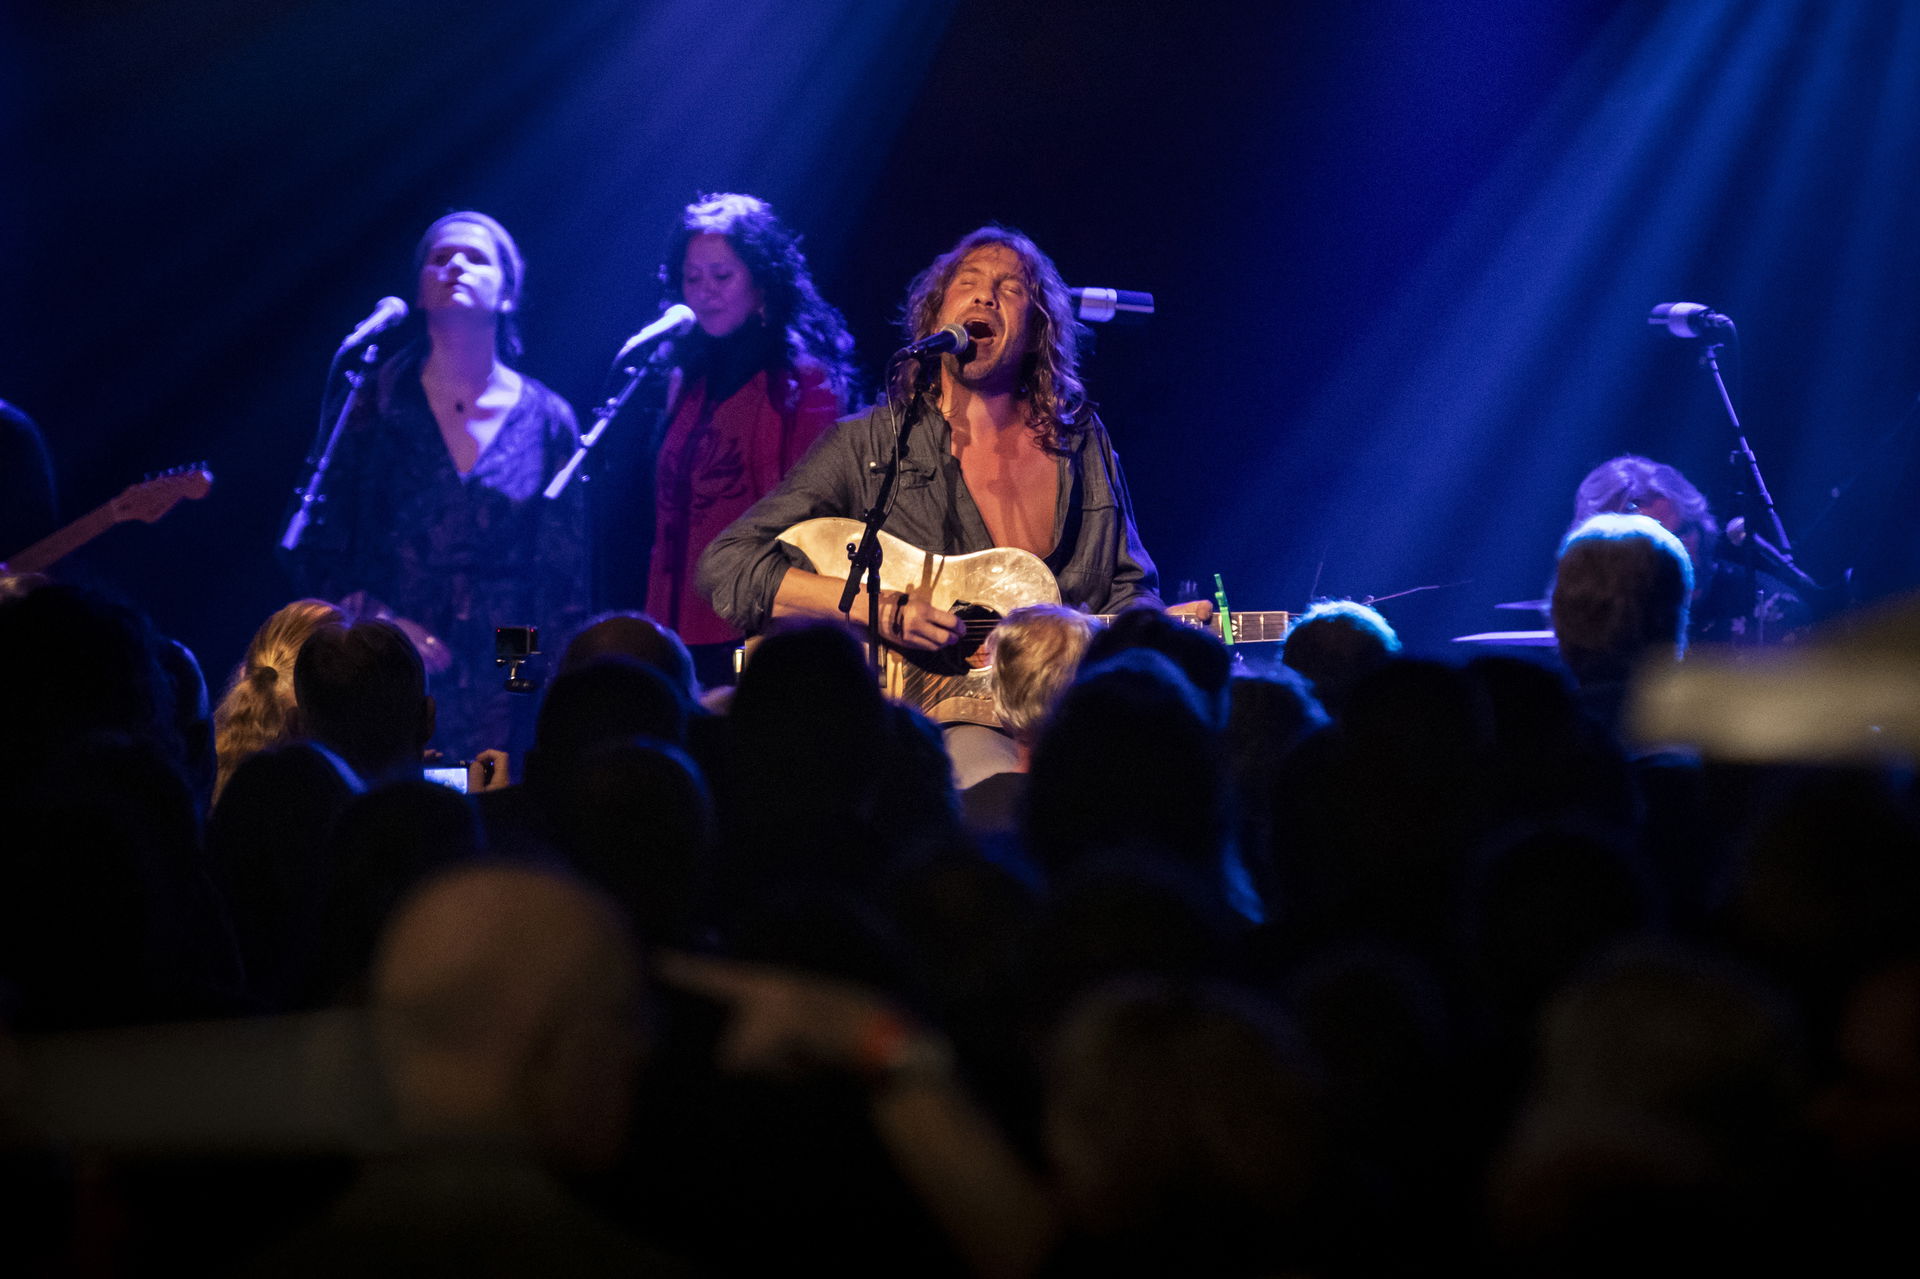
[{"x": 1097, "y": 556}]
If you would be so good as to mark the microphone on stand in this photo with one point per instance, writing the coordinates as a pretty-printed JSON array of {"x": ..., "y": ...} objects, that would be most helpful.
[
  {"x": 1689, "y": 319},
  {"x": 387, "y": 312},
  {"x": 1770, "y": 555},
  {"x": 677, "y": 318},
  {"x": 951, "y": 338},
  {"x": 1101, "y": 306},
  {"x": 673, "y": 321}
]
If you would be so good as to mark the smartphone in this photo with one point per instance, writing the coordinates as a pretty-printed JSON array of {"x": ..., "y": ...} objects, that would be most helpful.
[{"x": 453, "y": 776}]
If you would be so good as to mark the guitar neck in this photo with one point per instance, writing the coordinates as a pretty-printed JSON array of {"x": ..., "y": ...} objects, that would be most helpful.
[
  {"x": 1260, "y": 628},
  {"x": 1248, "y": 628},
  {"x": 50, "y": 550}
]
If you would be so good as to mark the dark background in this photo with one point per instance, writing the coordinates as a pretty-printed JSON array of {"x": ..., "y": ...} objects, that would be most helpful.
[{"x": 1403, "y": 251}]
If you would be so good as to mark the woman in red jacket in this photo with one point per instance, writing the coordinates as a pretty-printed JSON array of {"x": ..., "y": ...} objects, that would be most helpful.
[{"x": 762, "y": 375}]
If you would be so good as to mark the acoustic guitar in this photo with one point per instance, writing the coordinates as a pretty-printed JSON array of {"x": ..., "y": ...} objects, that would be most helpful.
[
  {"x": 148, "y": 501},
  {"x": 982, "y": 587}
]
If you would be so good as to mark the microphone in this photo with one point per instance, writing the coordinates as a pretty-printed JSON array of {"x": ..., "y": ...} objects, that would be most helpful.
[
  {"x": 1098, "y": 306},
  {"x": 386, "y": 313},
  {"x": 1688, "y": 319},
  {"x": 952, "y": 338},
  {"x": 673, "y": 321},
  {"x": 1770, "y": 555}
]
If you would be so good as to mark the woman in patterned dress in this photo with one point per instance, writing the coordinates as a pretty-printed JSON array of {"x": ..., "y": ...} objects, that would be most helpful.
[{"x": 433, "y": 504}]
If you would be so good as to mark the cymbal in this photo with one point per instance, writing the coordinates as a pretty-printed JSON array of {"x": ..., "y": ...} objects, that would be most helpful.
[
  {"x": 1509, "y": 639},
  {"x": 1534, "y": 606}
]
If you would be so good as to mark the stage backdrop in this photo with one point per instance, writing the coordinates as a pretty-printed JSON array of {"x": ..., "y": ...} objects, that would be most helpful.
[{"x": 1403, "y": 252}]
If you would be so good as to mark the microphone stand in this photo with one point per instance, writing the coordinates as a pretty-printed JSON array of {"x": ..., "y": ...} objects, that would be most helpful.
[
  {"x": 865, "y": 556},
  {"x": 1751, "y": 495},
  {"x": 636, "y": 373},
  {"x": 320, "y": 457}
]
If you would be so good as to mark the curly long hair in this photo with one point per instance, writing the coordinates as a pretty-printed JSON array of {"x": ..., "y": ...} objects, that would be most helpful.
[
  {"x": 811, "y": 329},
  {"x": 256, "y": 710},
  {"x": 1059, "y": 411}
]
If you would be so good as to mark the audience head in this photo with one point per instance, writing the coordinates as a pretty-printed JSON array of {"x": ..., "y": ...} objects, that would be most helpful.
[
  {"x": 267, "y": 845},
  {"x": 635, "y": 635},
  {"x": 1336, "y": 644},
  {"x": 362, "y": 691},
  {"x": 1035, "y": 652},
  {"x": 807, "y": 707},
  {"x": 1268, "y": 716},
  {"x": 192, "y": 718},
  {"x": 1548, "y": 761},
  {"x": 635, "y": 820},
  {"x": 383, "y": 844},
  {"x": 601, "y": 703},
  {"x": 826, "y": 781},
  {"x": 1666, "y": 1083},
  {"x": 507, "y": 1006},
  {"x": 1201, "y": 657},
  {"x": 1541, "y": 904},
  {"x": 1129, "y": 762},
  {"x": 258, "y": 710},
  {"x": 1270, "y": 713},
  {"x": 1679, "y": 1035},
  {"x": 79, "y": 663},
  {"x": 1620, "y": 595},
  {"x": 1183, "y": 1125},
  {"x": 102, "y": 921}
]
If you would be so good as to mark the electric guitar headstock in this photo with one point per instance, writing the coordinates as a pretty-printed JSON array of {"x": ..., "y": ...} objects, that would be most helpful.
[{"x": 154, "y": 496}]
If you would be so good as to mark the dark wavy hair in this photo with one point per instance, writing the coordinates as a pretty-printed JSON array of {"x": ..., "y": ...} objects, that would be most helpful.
[
  {"x": 1050, "y": 377},
  {"x": 513, "y": 269},
  {"x": 813, "y": 330}
]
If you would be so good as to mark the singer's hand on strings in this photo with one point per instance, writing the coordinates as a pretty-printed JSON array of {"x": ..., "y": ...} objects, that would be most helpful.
[
  {"x": 1199, "y": 612},
  {"x": 912, "y": 622}
]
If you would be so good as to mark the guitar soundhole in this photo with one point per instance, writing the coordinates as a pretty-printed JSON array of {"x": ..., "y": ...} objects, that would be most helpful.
[{"x": 969, "y": 653}]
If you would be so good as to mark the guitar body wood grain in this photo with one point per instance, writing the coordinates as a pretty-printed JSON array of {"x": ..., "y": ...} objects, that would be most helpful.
[{"x": 951, "y": 686}]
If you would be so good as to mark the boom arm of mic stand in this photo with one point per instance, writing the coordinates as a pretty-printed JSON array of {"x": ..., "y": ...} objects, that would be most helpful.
[
  {"x": 1743, "y": 453},
  {"x": 601, "y": 420},
  {"x": 322, "y": 456},
  {"x": 1755, "y": 486},
  {"x": 866, "y": 554}
]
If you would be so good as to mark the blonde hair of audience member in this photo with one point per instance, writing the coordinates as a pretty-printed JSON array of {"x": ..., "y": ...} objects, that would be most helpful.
[
  {"x": 1035, "y": 653},
  {"x": 506, "y": 1002},
  {"x": 257, "y": 710}
]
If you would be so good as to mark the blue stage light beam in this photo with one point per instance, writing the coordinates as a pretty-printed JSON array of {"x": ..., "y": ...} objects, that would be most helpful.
[{"x": 1448, "y": 443}]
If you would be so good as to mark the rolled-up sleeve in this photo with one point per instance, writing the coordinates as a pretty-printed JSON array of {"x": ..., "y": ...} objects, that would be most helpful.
[{"x": 741, "y": 569}]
